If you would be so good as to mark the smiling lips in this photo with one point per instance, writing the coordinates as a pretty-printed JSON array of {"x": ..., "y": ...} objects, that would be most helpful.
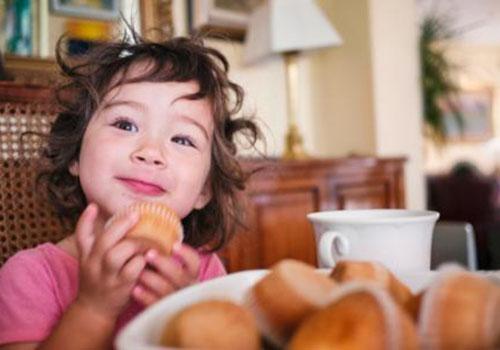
[{"x": 143, "y": 187}]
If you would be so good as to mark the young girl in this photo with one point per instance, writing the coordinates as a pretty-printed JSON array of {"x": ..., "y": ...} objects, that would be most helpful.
[{"x": 139, "y": 121}]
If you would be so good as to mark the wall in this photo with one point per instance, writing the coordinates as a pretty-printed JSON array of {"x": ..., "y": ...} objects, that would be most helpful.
[
  {"x": 396, "y": 89},
  {"x": 376, "y": 85},
  {"x": 368, "y": 96},
  {"x": 341, "y": 104}
]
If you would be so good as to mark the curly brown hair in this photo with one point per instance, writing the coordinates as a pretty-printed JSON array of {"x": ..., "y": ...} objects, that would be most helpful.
[{"x": 179, "y": 59}]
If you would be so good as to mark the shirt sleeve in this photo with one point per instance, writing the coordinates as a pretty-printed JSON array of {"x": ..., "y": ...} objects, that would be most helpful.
[
  {"x": 28, "y": 305},
  {"x": 211, "y": 267}
]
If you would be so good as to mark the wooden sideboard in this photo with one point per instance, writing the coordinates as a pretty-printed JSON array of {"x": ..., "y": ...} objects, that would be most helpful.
[{"x": 279, "y": 196}]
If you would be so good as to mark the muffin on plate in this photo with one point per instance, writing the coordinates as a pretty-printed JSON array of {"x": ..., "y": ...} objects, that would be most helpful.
[
  {"x": 285, "y": 296},
  {"x": 349, "y": 270},
  {"x": 460, "y": 310},
  {"x": 158, "y": 227},
  {"x": 360, "y": 316},
  {"x": 212, "y": 324}
]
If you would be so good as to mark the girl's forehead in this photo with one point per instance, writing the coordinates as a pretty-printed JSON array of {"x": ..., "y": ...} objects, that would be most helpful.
[
  {"x": 123, "y": 81},
  {"x": 181, "y": 90},
  {"x": 140, "y": 68},
  {"x": 136, "y": 70},
  {"x": 143, "y": 71},
  {"x": 160, "y": 96}
]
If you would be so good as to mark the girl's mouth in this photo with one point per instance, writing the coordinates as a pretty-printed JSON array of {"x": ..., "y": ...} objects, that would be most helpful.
[{"x": 142, "y": 187}]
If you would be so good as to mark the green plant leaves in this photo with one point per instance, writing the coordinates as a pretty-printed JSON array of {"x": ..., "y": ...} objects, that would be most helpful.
[{"x": 438, "y": 86}]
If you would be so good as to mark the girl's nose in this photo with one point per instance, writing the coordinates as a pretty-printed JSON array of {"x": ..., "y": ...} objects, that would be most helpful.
[{"x": 149, "y": 154}]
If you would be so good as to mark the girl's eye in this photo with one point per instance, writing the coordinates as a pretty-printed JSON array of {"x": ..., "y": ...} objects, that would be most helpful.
[
  {"x": 126, "y": 125},
  {"x": 183, "y": 140}
]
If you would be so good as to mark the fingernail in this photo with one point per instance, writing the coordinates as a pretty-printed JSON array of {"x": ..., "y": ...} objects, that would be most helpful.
[
  {"x": 151, "y": 254},
  {"x": 176, "y": 247},
  {"x": 91, "y": 207},
  {"x": 137, "y": 290}
]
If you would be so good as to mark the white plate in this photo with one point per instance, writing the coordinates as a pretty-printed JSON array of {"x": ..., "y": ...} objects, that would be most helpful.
[{"x": 145, "y": 330}]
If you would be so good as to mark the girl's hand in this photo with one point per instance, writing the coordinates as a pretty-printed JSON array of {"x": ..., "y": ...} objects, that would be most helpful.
[
  {"x": 168, "y": 274},
  {"x": 109, "y": 265}
]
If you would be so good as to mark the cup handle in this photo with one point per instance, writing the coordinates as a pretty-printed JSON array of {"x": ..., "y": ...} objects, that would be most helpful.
[{"x": 332, "y": 246}]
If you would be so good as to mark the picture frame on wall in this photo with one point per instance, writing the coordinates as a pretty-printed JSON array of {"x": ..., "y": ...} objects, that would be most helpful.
[
  {"x": 19, "y": 28},
  {"x": 89, "y": 9},
  {"x": 476, "y": 107},
  {"x": 220, "y": 18},
  {"x": 157, "y": 19}
]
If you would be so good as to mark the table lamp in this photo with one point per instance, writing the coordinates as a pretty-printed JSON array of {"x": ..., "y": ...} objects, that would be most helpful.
[{"x": 288, "y": 27}]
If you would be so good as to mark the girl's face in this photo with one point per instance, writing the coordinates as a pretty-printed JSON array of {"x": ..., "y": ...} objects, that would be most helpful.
[{"x": 146, "y": 143}]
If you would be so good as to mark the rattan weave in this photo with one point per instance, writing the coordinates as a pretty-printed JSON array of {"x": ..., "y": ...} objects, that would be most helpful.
[{"x": 26, "y": 219}]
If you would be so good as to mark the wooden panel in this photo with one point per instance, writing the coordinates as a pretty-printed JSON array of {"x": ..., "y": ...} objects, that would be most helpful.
[
  {"x": 364, "y": 193},
  {"x": 362, "y": 196},
  {"x": 29, "y": 71},
  {"x": 14, "y": 92},
  {"x": 286, "y": 232},
  {"x": 277, "y": 229}
]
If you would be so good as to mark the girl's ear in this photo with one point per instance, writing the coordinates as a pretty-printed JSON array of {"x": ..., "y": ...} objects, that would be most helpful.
[
  {"x": 74, "y": 169},
  {"x": 204, "y": 196}
]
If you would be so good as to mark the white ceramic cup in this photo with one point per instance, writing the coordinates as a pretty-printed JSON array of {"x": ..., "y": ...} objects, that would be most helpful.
[{"x": 398, "y": 238}]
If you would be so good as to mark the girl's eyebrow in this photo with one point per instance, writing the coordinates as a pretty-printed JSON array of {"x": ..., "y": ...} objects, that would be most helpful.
[
  {"x": 194, "y": 122},
  {"x": 139, "y": 106},
  {"x": 133, "y": 104}
]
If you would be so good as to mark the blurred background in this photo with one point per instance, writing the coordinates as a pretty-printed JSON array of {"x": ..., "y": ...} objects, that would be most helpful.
[{"x": 417, "y": 80}]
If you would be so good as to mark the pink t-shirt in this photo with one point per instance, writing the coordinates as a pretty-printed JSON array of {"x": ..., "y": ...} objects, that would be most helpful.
[{"x": 37, "y": 286}]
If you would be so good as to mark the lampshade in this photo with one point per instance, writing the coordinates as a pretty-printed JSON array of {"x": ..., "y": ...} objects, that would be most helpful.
[{"x": 287, "y": 25}]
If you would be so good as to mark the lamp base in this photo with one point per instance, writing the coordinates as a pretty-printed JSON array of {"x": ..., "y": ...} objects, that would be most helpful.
[{"x": 294, "y": 148}]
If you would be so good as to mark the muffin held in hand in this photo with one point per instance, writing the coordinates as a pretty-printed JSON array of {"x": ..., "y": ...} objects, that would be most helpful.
[
  {"x": 158, "y": 227},
  {"x": 285, "y": 296},
  {"x": 360, "y": 316},
  {"x": 212, "y": 324},
  {"x": 347, "y": 271},
  {"x": 460, "y": 310}
]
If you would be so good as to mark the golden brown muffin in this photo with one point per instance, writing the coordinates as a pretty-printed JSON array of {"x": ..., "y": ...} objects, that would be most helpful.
[
  {"x": 360, "y": 317},
  {"x": 413, "y": 306},
  {"x": 288, "y": 293},
  {"x": 158, "y": 227},
  {"x": 212, "y": 324},
  {"x": 347, "y": 270},
  {"x": 460, "y": 310}
]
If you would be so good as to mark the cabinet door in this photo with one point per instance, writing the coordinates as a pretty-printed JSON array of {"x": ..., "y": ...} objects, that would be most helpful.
[
  {"x": 362, "y": 192},
  {"x": 362, "y": 196},
  {"x": 278, "y": 229}
]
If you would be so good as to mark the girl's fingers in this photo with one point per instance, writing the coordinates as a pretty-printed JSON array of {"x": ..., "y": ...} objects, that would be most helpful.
[
  {"x": 114, "y": 233},
  {"x": 188, "y": 257},
  {"x": 169, "y": 269},
  {"x": 132, "y": 270},
  {"x": 85, "y": 230},
  {"x": 116, "y": 257},
  {"x": 144, "y": 296},
  {"x": 156, "y": 283}
]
